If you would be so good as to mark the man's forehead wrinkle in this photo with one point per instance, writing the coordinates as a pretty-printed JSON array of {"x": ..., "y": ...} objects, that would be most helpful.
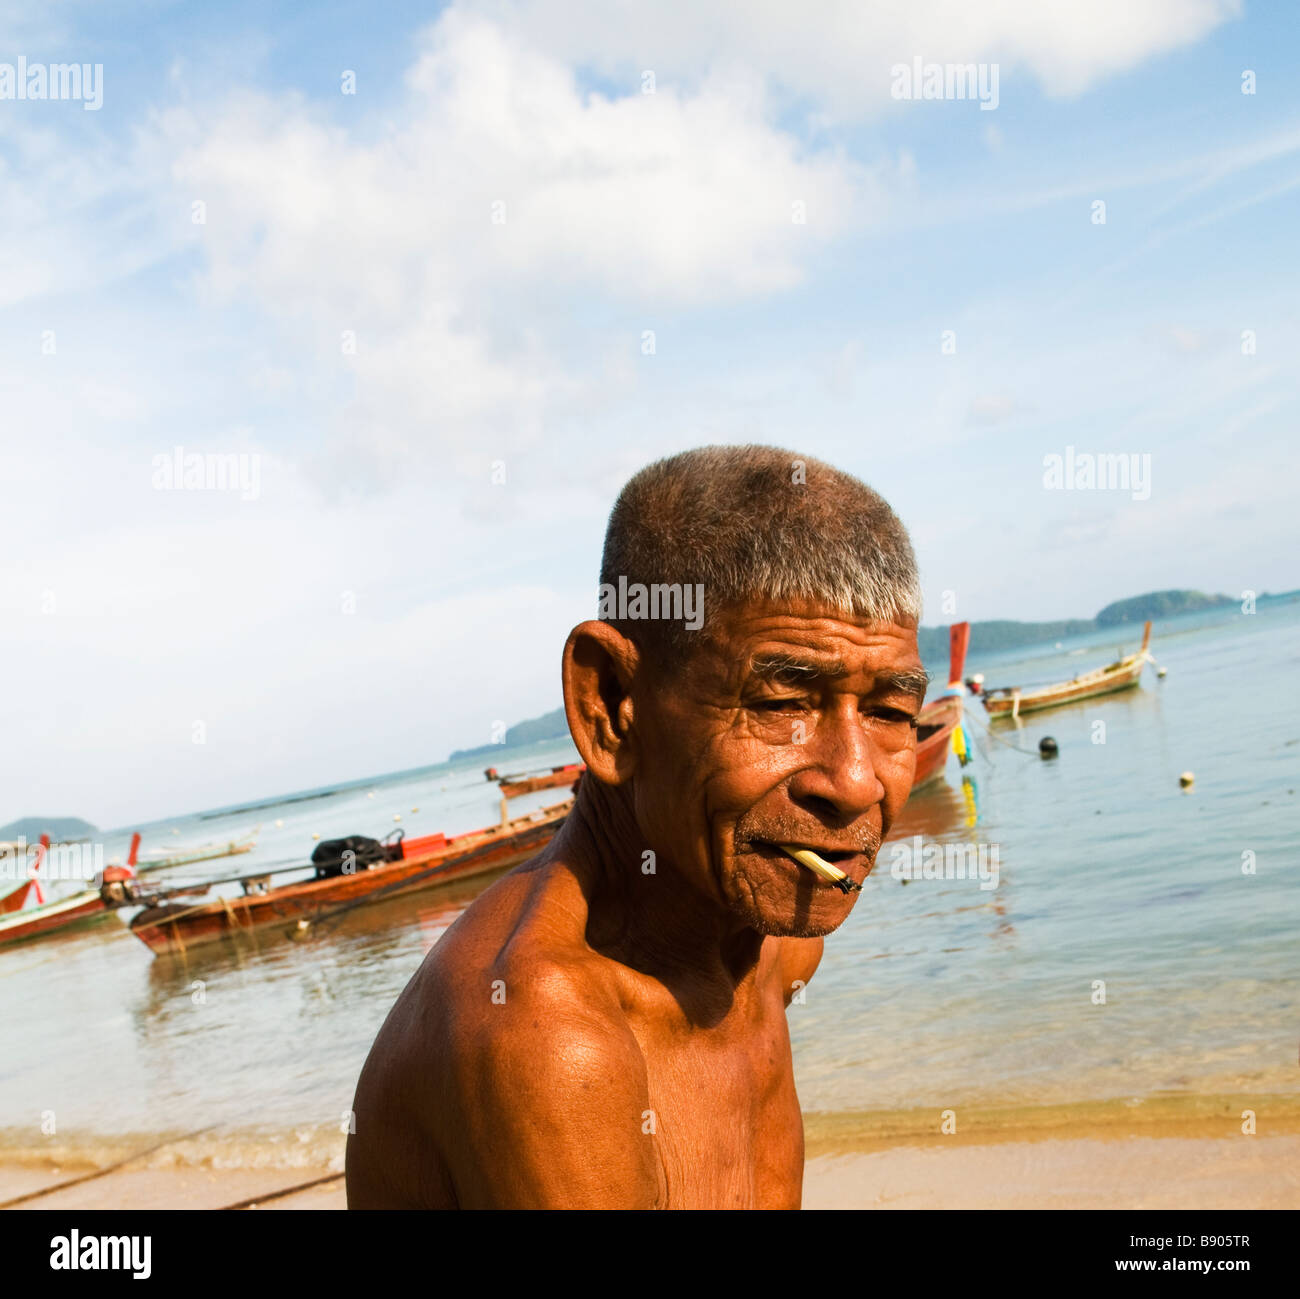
[{"x": 816, "y": 620}]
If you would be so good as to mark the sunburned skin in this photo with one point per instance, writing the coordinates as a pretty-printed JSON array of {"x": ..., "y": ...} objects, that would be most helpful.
[{"x": 605, "y": 1026}]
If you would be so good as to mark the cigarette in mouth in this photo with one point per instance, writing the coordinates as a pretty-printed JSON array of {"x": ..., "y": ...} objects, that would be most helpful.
[{"x": 819, "y": 866}]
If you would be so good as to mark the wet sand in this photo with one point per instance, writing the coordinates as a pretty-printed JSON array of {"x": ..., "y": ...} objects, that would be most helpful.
[
  {"x": 1084, "y": 1173},
  {"x": 1184, "y": 1153}
]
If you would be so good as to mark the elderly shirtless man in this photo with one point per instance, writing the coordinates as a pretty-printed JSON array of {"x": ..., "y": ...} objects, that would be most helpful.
[{"x": 605, "y": 1026}]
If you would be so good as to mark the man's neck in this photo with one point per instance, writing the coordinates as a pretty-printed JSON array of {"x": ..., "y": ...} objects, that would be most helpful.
[{"x": 654, "y": 920}]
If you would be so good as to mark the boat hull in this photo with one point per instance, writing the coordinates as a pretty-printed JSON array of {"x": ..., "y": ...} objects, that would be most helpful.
[
  {"x": 932, "y": 751},
  {"x": 1123, "y": 675},
  {"x": 936, "y": 722},
  {"x": 1056, "y": 696},
  {"x": 52, "y": 917},
  {"x": 175, "y": 927},
  {"x": 548, "y": 780},
  {"x": 14, "y": 899}
]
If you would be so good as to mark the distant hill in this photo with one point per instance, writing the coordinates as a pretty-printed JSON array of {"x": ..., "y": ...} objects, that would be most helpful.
[
  {"x": 988, "y": 637},
  {"x": 550, "y": 726},
  {"x": 1158, "y": 604},
  {"x": 61, "y": 829},
  {"x": 985, "y": 638}
]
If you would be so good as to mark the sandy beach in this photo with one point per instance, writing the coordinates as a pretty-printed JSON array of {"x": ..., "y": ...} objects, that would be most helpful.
[{"x": 1178, "y": 1153}]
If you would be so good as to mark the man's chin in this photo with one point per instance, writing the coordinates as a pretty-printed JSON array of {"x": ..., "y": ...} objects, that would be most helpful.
[
  {"x": 763, "y": 898},
  {"x": 805, "y": 930},
  {"x": 773, "y": 924}
]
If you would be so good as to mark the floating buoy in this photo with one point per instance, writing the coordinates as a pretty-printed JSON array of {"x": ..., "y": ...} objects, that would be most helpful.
[
  {"x": 415, "y": 809},
  {"x": 315, "y": 836},
  {"x": 397, "y": 816},
  {"x": 279, "y": 822},
  {"x": 1187, "y": 779},
  {"x": 1160, "y": 672},
  {"x": 1047, "y": 747}
]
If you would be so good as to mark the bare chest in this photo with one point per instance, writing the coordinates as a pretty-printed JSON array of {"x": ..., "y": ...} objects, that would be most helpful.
[{"x": 725, "y": 1120}]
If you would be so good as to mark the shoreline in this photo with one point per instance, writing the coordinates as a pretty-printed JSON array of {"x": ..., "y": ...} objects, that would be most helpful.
[
  {"x": 1177, "y": 1114},
  {"x": 1171, "y": 1152}
]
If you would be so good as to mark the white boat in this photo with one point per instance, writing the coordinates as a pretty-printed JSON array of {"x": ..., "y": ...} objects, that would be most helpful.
[{"x": 147, "y": 863}]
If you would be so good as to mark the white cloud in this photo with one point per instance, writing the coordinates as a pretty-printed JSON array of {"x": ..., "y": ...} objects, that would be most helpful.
[
  {"x": 504, "y": 189},
  {"x": 674, "y": 197},
  {"x": 837, "y": 53}
]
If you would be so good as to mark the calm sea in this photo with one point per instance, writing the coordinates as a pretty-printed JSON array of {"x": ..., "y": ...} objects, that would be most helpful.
[{"x": 1112, "y": 882}]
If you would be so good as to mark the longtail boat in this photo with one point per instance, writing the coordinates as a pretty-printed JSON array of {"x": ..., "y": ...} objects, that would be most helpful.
[
  {"x": 423, "y": 863},
  {"x": 53, "y": 917},
  {"x": 940, "y": 717},
  {"x": 204, "y": 852},
  {"x": 513, "y": 786},
  {"x": 75, "y": 910},
  {"x": 1123, "y": 674}
]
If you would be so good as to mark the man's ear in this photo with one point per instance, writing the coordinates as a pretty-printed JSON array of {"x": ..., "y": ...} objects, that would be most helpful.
[{"x": 599, "y": 666}]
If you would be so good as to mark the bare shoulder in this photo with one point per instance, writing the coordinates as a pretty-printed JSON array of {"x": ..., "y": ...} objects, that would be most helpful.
[{"x": 509, "y": 1059}]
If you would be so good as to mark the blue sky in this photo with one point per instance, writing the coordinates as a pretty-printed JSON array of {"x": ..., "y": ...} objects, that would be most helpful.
[{"x": 382, "y": 600}]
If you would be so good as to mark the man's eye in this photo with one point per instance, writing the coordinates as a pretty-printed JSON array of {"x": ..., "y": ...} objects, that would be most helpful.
[
  {"x": 894, "y": 715},
  {"x": 777, "y": 705}
]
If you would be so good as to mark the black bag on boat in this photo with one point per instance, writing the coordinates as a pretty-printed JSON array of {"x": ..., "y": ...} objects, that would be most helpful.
[{"x": 347, "y": 856}]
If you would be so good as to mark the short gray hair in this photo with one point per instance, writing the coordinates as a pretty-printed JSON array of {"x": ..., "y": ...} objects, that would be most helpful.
[{"x": 752, "y": 522}]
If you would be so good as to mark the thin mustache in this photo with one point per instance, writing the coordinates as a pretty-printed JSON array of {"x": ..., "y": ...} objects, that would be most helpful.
[{"x": 868, "y": 844}]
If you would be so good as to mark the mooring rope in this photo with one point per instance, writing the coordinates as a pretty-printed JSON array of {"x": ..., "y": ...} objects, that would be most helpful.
[
  {"x": 993, "y": 735},
  {"x": 279, "y": 1195}
]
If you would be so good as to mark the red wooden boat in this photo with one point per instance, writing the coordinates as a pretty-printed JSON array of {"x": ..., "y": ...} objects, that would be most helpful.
[
  {"x": 513, "y": 786},
  {"x": 74, "y": 910},
  {"x": 424, "y": 863},
  {"x": 14, "y": 899},
  {"x": 939, "y": 718},
  {"x": 51, "y": 917}
]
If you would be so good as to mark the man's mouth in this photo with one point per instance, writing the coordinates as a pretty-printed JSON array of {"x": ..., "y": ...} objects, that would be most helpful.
[{"x": 851, "y": 865}]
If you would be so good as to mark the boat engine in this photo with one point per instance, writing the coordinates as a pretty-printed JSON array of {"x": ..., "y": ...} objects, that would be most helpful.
[
  {"x": 117, "y": 886},
  {"x": 355, "y": 853}
]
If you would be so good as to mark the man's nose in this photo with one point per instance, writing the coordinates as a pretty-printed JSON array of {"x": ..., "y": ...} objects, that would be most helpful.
[{"x": 841, "y": 772}]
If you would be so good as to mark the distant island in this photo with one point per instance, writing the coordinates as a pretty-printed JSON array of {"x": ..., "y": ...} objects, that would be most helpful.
[
  {"x": 1159, "y": 604},
  {"x": 988, "y": 637},
  {"x": 985, "y": 637},
  {"x": 61, "y": 829},
  {"x": 550, "y": 726}
]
